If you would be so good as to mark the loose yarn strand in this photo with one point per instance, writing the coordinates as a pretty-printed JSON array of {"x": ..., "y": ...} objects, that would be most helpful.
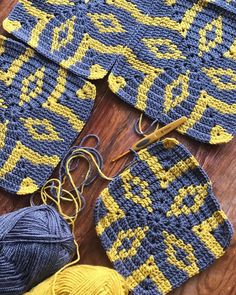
[
  {"x": 138, "y": 126},
  {"x": 54, "y": 192}
]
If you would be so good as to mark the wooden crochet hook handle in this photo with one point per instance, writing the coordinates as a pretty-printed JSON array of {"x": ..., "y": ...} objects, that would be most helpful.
[{"x": 153, "y": 137}]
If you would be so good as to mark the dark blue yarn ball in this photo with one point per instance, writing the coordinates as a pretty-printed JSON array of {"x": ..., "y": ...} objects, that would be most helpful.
[{"x": 35, "y": 242}]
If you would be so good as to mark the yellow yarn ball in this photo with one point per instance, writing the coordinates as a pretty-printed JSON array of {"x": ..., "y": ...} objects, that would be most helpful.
[{"x": 83, "y": 280}]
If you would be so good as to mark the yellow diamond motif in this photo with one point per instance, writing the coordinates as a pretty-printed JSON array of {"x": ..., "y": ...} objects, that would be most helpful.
[
  {"x": 178, "y": 207},
  {"x": 189, "y": 263},
  {"x": 217, "y": 76},
  {"x": 142, "y": 198},
  {"x": 40, "y": 129},
  {"x": 216, "y": 27},
  {"x": 134, "y": 236},
  {"x": 63, "y": 34},
  {"x": 163, "y": 48},
  {"x": 106, "y": 23},
  {"x": 182, "y": 84},
  {"x": 32, "y": 86}
]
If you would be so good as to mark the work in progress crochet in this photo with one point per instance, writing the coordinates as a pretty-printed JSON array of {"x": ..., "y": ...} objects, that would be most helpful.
[
  {"x": 159, "y": 221},
  {"x": 167, "y": 58},
  {"x": 43, "y": 108}
]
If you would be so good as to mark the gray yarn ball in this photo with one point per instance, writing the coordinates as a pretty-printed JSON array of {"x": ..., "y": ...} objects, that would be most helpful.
[{"x": 35, "y": 242}]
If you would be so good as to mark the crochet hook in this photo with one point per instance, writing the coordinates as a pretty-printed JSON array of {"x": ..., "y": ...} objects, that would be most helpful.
[{"x": 153, "y": 137}]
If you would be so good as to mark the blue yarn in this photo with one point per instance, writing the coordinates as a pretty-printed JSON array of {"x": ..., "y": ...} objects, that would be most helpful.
[{"x": 35, "y": 242}]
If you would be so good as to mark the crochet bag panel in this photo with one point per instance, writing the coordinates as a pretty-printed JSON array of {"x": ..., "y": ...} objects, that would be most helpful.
[
  {"x": 182, "y": 62},
  {"x": 159, "y": 221},
  {"x": 83, "y": 36},
  {"x": 43, "y": 108}
]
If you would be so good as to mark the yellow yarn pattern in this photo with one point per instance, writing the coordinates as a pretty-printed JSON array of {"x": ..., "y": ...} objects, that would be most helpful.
[{"x": 83, "y": 280}]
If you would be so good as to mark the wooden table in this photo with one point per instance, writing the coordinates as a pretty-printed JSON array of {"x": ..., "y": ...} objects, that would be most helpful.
[{"x": 112, "y": 120}]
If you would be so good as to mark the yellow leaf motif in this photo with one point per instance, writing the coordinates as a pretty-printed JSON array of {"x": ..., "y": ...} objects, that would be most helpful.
[
  {"x": 189, "y": 265},
  {"x": 66, "y": 29},
  {"x": 135, "y": 236},
  {"x": 48, "y": 132},
  {"x": 36, "y": 80},
  {"x": 106, "y": 23},
  {"x": 198, "y": 193},
  {"x": 170, "y": 50},
  {"x": 180, "y": 83},
  {"x": 216, "y": 76},
  {"x": 144, "y": 200},
  {"x": 216, "y": 27}
]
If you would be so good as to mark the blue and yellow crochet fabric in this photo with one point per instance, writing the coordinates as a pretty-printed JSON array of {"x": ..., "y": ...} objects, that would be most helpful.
[
  {"x": 83, "y": 36},
  {"x": 168, "y": 58},
  {"x": 159, "y": 221},
  {"x": 43, "y": 107},
  {"x": 186, "y": 67}
]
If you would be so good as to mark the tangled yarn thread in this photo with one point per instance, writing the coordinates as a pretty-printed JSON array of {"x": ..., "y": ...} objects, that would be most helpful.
[
  {"x": 35, "y": 242},
  {"x": 83, "y": 280}
]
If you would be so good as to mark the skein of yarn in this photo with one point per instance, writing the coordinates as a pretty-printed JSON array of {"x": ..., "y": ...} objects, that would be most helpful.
[
  {"x": 35, "y": 242},
  {"x": 83, "y": 280}
]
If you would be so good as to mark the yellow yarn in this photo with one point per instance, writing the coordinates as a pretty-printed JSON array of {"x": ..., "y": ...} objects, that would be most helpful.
[{"x": 83, "y": 280}]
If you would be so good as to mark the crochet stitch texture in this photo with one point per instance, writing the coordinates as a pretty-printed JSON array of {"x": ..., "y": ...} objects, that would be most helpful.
[
  {"x": 186, "y": 67},
  {"x": 159, "y": 221},
  {"x": 43, "y": 107},
  {"x": 168, "y": 58},
  {"x": 83, "y": 37}
]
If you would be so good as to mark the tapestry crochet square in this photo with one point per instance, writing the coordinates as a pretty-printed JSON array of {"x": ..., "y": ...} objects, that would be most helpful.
[
  {"x": 43, "y": 108},
  {"x": 159, "y": 221},
  {"x": 182, "y": 62},
  {"x": 169, "y": 58},
  {"x": 83, "y": 36}
]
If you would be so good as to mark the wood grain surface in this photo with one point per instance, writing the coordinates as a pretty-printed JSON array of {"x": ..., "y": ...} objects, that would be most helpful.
[{"x": 112, "y": 120}]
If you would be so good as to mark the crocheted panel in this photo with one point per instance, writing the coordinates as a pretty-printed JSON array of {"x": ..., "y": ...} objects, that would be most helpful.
[
  {"x": 159, "y": 221},
  {"x": 42, "y": 109},
  {"x": 83, "y": 36},
  {"x": 182, "y": 62}
]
